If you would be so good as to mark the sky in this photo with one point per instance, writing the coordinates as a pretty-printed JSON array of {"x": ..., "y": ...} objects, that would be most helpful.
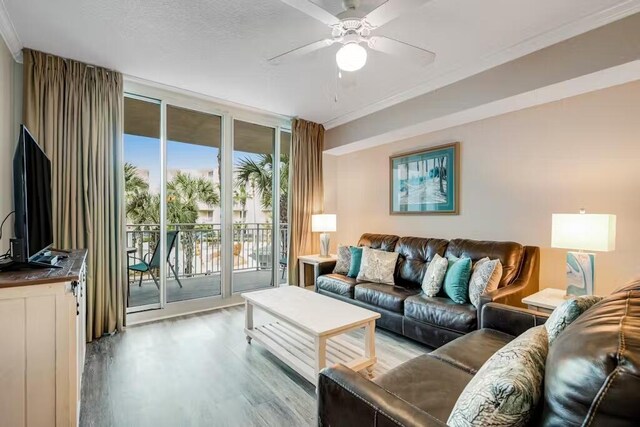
[{"x": 144, "y": 153}]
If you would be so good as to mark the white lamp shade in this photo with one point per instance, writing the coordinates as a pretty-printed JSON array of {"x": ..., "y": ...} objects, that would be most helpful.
[
  {"x": 323, "y": 223},
  {"x": 589, "y": 232}
]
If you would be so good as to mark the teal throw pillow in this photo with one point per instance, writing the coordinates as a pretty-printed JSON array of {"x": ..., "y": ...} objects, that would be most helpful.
[
  {"x": 456, "y": 281},
  {"x": 356, "y": 260}
]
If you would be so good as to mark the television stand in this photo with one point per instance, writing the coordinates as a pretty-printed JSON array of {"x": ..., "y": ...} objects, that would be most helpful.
[
  {"x": 33, "y": 265},
  {"x": 43, "y": 335}
]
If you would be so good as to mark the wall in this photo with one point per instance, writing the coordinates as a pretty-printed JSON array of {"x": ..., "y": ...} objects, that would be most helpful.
[
  {"x": 516, "y": 170},
  {"x": 603, "y": 48},
  {"x": 8, "y": 132}
]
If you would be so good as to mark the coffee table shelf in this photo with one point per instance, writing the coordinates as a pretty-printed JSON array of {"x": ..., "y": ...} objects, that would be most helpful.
[{"x": 297, "y": 349}]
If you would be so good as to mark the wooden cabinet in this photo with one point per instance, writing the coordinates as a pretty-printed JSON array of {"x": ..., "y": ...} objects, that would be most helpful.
[{"x": 42, "y": 344}]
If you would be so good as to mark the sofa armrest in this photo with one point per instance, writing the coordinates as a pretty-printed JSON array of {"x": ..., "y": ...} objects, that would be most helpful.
[
  {"x": 525, "y": 284},
  {"x": 326, "y": 267},
  {"x": 510, "y": 320},
  {"x": 501, "y": 294},
  {"x": 346, "y": 398}
]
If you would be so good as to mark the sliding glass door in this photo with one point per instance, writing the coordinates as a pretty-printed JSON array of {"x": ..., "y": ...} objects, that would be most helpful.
[
  {"x": 206, "y": 200},
  {"x": 193, "y": 200},
  {"x": 143, "y": 182},
  {"x": 260, "y": 201},
  {"x": 253, "y": 208},
  {"x": 283, "y": 204}
]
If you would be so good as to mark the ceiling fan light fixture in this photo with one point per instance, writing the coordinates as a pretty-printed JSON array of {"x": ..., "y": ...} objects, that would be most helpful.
[{"x": 351, "y": 57}]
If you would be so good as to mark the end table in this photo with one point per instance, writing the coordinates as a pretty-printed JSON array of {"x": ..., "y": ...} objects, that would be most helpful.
[
  {"x": 314, "y": 260},
  {"x": 546, "y": 300}
]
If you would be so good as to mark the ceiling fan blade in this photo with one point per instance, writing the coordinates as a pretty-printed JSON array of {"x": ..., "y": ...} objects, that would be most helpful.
[
  {"x": 398, "y": 48},
  {"x": 300, "y": 51},
  {"x": 313, "y": 10},
  {"x": 390, "y": 10}
]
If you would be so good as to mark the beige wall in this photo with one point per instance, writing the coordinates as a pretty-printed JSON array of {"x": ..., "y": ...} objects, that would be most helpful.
[
  {"x": 7, "y": 139},
  {"x": 516, "y": 170}
]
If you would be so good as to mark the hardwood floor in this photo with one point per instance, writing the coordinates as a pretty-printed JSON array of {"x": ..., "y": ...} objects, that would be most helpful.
[{"x": 198, "y": 370}]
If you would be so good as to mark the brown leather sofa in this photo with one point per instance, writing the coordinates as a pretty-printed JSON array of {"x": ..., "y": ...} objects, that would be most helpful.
[
  {"x": 592, "y": 374},
  {"x": 433, "y": 321}
]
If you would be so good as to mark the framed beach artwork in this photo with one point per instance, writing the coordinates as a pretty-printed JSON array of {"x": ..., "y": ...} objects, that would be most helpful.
[{"x": 426, "y": 181}]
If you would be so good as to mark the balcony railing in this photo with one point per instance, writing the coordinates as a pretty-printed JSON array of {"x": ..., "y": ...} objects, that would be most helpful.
[{"x": 198, "y": 248}]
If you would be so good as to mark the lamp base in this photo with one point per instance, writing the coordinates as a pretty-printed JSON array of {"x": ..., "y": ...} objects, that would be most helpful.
[
  {"x": 580, "y": 273},
  {"x": 324, "y": 245}
]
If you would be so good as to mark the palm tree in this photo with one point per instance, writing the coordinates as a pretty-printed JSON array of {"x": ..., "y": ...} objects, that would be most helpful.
[
  {"x": 240, "y": 196},
  {"x": 133, "y": 182},
  {"x": 259, "y": 173},
  {"x": 139, "y": 204},
  {"x": 184, "y": 193},
  {"x": 134, "y": 187},
  {"x": 144, "y": 208}
]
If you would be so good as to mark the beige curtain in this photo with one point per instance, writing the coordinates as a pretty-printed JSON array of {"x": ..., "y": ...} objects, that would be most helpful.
[
  {"x": 75, "y": 111},
  {"x": 306, "y": 194}
]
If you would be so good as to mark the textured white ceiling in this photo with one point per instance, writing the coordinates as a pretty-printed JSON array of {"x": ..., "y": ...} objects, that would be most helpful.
[{"x": 220, "y": 47}]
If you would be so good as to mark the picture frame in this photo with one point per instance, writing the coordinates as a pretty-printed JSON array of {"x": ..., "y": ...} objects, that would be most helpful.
[{"x": 426, "y": 181}]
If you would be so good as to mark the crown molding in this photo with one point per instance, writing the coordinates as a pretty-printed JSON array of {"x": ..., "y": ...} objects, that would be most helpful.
[
  {"x": 461, "y": 71},
  {"x": 9, "y": 34}
]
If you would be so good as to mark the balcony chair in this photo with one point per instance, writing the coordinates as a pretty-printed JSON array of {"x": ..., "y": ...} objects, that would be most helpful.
[{"x": 148, "y": 267}]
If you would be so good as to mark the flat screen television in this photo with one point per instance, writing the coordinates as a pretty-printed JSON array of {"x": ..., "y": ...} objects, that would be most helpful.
[{"x": 32, "y": 199}]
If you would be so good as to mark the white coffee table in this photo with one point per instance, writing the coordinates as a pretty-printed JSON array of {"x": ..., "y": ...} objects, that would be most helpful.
[{"x": 305, "y": 332}]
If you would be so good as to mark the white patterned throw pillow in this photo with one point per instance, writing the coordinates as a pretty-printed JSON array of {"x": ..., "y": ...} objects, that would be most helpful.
[
  {"x": 485, "y": 277},
  {"x": 344, "y": 260},
  {"x": 433, "y": 278},
  {"x": 567, "y": 312},
  {"x": 377, "y": 266},
  {"x": 508, "y": 387}
]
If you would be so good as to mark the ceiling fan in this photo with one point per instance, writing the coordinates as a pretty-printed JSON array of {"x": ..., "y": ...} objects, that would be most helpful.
[{"x": 354, "y": 31}]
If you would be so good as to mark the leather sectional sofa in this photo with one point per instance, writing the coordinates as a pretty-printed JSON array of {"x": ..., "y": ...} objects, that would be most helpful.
[
  {"x": 592, "y": 373},
  {"x": 433, "y": 321}
]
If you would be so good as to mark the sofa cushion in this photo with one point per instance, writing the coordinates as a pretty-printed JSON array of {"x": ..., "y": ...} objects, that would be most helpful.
[
  {"x": 384, "y": 296},
  {"x": 442, "y": 312},
  {"x": 510, "y": 255},
  {"x": 470, "y": 351},
  {"x": 485, "y": 277},
  {"x": 338, "y": 284},
  {"x": 508, "y": 387},
  {"x": 356, "y": 260},
  {"x": 385, "y": 242},
  {"x": 344, "y": 260},
  {"x": 567, "y": 312},
  {"x": 456, "y": 279},
  {"x": 434, "y": 276},
  {"x": 377, "y": 266},
  {"x": 427, "y": 383},
  {"x": 593, "y": 369},
  {"x": 414, "y": 256}
]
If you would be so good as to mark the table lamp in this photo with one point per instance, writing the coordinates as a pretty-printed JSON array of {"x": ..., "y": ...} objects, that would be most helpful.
[
  {"x": 585, "y": 232},
  {"x": 323, "y": 224}
]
